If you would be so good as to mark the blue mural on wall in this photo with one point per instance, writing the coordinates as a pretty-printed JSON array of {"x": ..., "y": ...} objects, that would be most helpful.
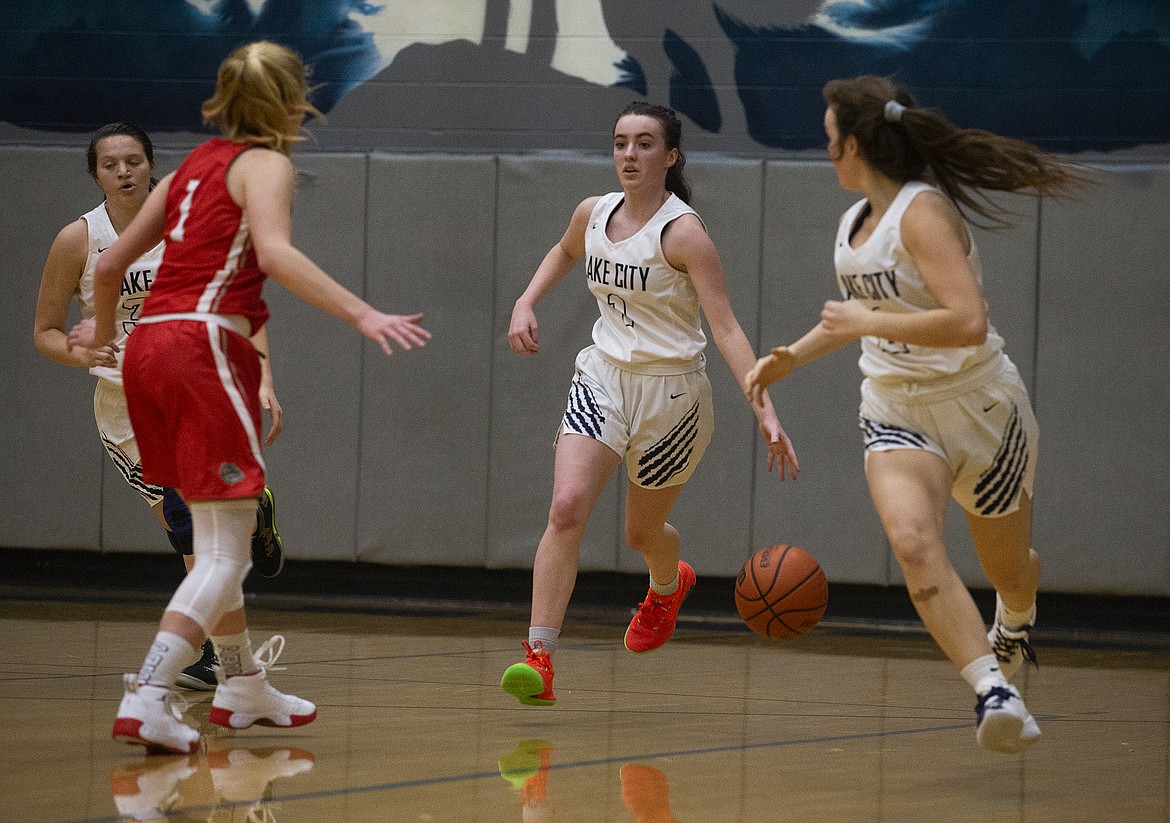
[
  {"x": 1067, "y": 74},
  {"x": 77, "y": 64},
  {"x": 1070, "y": 75}
]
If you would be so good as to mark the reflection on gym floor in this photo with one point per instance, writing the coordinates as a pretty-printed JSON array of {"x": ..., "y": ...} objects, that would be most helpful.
[{"x": 718, "y": 726}]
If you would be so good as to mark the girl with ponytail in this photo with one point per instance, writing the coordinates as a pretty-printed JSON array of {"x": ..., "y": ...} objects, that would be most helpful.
[{"x": 944, "y": 412}]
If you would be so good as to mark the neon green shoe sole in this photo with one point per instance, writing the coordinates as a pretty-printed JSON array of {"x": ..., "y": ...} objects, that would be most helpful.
[{"x": 525, "y": 684}]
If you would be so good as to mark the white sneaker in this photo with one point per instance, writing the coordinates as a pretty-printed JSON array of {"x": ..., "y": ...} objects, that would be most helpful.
[
  {"x": 147, "y": 790},
  {"x": 1011, "y": 646},
  {"x": 149, "y": 716},
  {"x": 244, "y": 775},
  {"x": 1003, "y": 723},
  {"x": 248, "y": 699}
]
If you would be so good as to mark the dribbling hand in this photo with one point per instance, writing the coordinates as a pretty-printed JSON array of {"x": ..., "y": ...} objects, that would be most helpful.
[{"x": 781, "y": 455}]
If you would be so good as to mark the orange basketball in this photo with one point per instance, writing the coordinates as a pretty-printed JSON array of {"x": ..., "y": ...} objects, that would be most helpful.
[{"x": 781, "y": 592}]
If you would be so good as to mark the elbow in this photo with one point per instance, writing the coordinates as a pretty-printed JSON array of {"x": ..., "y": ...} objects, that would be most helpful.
[
  {"x": 270, "y": 258},
  {"x": 974, "y": 332}
]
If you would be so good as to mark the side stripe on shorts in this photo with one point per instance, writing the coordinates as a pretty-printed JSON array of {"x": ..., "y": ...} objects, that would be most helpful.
[
  {"x": 672, "y": 453},
  {"x": 131, "y": 471},
  {"x": 217, "y": 337},
  {"x": 583, "y": 415},
  {"x": 881, "y": 434},
  {"x": 999, "y": 485}
]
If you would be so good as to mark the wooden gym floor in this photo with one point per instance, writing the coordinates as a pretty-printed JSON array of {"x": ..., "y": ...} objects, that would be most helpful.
[{"x": 840, "y": 725}]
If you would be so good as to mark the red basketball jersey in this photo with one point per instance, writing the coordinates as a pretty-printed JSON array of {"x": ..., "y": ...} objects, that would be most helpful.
[{"x": 209, "y": 265}]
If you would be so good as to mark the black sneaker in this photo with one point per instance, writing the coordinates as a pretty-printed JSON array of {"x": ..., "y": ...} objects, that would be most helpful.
[
  {"x": 200, "y": 676},
  {"x": 267, "y": 550}
]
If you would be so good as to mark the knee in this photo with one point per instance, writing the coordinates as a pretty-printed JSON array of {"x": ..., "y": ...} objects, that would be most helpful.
[
  {"x": 568, "y": 513},
  {"x": 915, "y": 545}
]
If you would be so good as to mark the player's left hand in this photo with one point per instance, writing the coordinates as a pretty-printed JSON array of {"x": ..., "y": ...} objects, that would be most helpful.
[{"x": 270, "y": 404}]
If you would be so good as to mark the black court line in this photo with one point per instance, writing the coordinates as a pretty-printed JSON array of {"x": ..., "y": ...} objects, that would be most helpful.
[{"x": 423, "y": 782}]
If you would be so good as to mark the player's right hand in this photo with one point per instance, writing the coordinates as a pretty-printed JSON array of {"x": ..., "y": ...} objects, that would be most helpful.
[{"x": 524, "y": 333}]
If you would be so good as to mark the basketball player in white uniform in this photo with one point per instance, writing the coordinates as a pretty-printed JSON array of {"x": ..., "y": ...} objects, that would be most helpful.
[
  {"x": 121, "y": 161},
  {"x": 640, "y": 392},
  {"x": 943, "y": 410}
]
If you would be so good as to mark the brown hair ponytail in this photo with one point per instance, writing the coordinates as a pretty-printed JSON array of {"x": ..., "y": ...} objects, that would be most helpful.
[{"x": 905, "y": 142}]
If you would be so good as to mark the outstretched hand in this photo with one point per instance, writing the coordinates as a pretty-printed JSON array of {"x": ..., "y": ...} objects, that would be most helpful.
[
  {"x": 769, "y": 369},
  {"x": 404, "y": 329},
  {"x": 781, "y": 455}
]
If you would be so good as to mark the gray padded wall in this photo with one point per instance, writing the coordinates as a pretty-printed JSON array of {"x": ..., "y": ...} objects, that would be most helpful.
[
  {"x": 317, "y": 367},
  {"x": 444, "y": 455},
  {"x": 536, "y": 198},
  {"x": 51, "y": 481},
  {"x": 425, "y": 412},
  {"x": 1103, "y": 387}
]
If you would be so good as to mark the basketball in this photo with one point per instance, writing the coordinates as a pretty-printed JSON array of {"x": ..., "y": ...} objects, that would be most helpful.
[{"x": 781, "y": 592}]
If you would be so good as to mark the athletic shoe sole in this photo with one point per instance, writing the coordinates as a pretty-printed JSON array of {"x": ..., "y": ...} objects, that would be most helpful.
[{"x": 524, "y": 683}]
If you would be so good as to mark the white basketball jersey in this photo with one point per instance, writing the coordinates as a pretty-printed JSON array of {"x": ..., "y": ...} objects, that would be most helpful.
[
  {"x": 135, "y": 285},
  {"x": 650, "y": 318},
  {"x": 883, "y": 277}
]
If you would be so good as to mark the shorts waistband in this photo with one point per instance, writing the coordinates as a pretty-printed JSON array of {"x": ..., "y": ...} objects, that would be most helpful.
[
  {"x": 944, "y": 387},
  {"x": 232, "y": 322},
  {"x": 659, "y": 369}
]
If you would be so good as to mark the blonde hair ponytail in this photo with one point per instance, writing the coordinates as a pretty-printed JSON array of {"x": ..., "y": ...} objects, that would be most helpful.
[{"x": 260, "y": 96}]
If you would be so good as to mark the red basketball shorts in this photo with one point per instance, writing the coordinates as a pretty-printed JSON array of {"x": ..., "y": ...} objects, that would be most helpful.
[{"x": 193, "y": 389}]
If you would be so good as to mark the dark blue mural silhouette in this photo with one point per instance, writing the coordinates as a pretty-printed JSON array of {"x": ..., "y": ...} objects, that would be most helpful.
[
  {"x": 153, "y": 62},
  {"x": 1069, "y": 75}
]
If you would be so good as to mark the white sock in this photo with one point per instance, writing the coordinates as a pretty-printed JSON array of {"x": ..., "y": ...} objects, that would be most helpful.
[
  {"x": 168, "y": 655},
  {"x": 664, "y": 589},
  {"x": 983, "y": 674},
  {"x": 544, "y": 637},
  {"x": 235, "y": 654},
  {"x": 1011, "y": 620}
]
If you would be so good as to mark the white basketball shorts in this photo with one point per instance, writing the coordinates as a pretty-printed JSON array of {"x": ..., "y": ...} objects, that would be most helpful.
[
  {"x": 980, "y": 422},
  {"x": 660, "y": 423}
]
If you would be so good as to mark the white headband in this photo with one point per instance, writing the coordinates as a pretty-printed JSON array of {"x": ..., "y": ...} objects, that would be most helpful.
[{"x": 893, "y": 111}]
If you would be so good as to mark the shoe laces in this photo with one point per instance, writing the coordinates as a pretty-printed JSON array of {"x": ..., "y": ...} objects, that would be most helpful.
[
  {"x": 1007, "y": 642},
  {"x": 653, "y": 610},
  {"x": 269, "y": 652},
  {"x": 995, "y": 698},
  {"x": 539, "y": 660},
  {"x": 174, "y": 702}
]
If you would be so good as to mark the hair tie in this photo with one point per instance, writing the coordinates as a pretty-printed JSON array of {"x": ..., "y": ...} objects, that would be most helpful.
[{"x": 893, "y": 111}]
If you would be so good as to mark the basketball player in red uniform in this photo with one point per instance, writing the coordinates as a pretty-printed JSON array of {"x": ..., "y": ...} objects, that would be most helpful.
[{"x": 192, "y": 377}]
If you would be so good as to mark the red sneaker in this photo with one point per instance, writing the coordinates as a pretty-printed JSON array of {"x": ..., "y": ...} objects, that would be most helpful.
[
  {"x": 530, "y": 682},
  {"x": 653, "y": 624}
]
